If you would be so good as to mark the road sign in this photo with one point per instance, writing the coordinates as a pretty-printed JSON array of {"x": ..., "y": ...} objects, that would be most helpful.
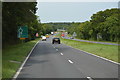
[
  {"x": 22, "y": 38},
  {"x": 22, "y": 32},
  {"x": 37, "y": 34},
  {"x": 74, "y": 34}
]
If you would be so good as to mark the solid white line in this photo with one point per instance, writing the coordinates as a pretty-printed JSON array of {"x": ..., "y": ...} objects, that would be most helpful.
[
  {"x": 96, "y": 56},
  {"x": 61, "y": 53},
  {"x": 19, "y": 70},
  {"x": 89, "y": 78},
  {"x": 102, "y": 58},
  {"x": 70, "y": 61}
]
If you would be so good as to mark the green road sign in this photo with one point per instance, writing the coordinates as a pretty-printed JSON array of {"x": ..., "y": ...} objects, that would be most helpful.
[{"x": 22, "y": 32}]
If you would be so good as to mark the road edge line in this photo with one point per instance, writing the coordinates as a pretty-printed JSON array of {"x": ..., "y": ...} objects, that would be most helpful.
[
  {"x": 20, "y": 68},
  {"x": 61, "y": 54},
  {"x": 96, "y": 55}
]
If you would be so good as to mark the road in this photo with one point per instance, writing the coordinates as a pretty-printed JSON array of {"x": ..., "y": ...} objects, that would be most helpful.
[
  {"x": 107, "y": 43},
  {"x": 60, "y": 61}
]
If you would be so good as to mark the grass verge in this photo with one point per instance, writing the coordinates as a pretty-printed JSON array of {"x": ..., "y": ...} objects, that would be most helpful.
[
  {"x": 106, "y": 51},
  {"x": 13, "y": 56},
  {"x": 94, "y": 40}
]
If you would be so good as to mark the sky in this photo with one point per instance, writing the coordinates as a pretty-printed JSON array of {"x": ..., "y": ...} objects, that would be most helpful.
[
  {"x": 70, "y": 11},
  {"x": 77, "y": 0}
]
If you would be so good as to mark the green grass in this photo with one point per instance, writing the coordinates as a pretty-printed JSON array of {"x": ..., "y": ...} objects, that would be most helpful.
[
  {"x": 106, "y": 51},
  {"x": 94, "y": 40},
  {"x": 15, "y": 53},
  {"x": 100, "y": 41}
]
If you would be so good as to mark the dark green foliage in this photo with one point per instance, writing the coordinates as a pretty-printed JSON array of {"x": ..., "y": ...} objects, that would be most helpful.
[
  {"x": 104, "y": 25},
  {"x": 16, "y": 14},
  {"x": 50, "y": 27},
  {"x": 107, "y": 24}
]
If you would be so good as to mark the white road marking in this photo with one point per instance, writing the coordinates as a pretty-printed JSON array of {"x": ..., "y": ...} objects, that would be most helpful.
[
  {"x": 56, "y": 49},
  {"x": 96, "y": 56},
  {"x": 89, "y": 78},
  {"x": 19, "y": 70},
  {"x": 61, "y": 53},
  {"x": 70, "y": 61}
]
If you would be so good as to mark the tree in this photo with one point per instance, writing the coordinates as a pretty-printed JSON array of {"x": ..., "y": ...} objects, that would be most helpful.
[
  {"x": 101, "y": 23},
  {"x": 16, "y": 14}
]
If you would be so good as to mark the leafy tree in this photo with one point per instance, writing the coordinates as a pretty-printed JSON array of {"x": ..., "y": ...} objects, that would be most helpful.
[
  {"x": 101, "y": 23},
  {"x": 16, "y": 14}
]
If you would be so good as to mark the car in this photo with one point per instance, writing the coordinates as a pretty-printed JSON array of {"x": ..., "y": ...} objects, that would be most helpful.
[
  {"x": 71, "y": 37},
  {"x": 56, "y": 40},
  {"x": 47, "y": 36},
  {"x": 52, "y": 33},
  {"x": 43, "y": 38}
]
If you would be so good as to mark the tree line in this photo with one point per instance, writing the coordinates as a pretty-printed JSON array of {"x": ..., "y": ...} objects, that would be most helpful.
[
  {"x": 16, "y": 14},
  {"x": 103, "y": 26}
]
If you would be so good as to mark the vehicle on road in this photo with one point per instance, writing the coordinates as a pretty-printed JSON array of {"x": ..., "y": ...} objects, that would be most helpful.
[
  {"x": 71, "y": 37},
  {"x": 56, "y": 40},
  {"x": 47, "y": 36},
  {"x": 63, "y": 35},
  {"x": 43, "y": 38},
  {"x": 52, "y": 33}
]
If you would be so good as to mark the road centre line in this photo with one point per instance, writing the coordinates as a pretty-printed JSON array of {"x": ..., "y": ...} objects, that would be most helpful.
[
  {"x": 70, "y": 61},
  {"x": 56, "y": 49},
  {"x": 61, "y": 53},
  {"x": 89, "y": 78},
  {"x": 19, "y": 70},
  {"x": 95, "y": 55}
]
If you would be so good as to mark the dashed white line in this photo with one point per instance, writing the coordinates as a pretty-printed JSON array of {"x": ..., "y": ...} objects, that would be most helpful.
[
  {"x": 56, "y": 49},
  {"x": 95, "y": 55},
  {"x": 89, "y": 78},
  {"x": 70, "y": 61},
  {"x": 61, "y": 53}
]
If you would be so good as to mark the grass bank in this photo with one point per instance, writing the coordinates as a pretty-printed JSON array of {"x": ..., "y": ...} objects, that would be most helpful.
[
  {"x": 106, "y": 51},
  {"x": 94, "y": 40},
  {"x": 13, "y": 56}
]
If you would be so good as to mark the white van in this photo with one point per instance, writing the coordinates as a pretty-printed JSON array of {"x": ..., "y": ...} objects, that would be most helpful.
[{"x": 43, "y": 38}]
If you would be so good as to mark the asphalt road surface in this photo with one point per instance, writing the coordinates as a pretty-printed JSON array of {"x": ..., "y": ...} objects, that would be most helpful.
[{"x": 60, "y": 61}]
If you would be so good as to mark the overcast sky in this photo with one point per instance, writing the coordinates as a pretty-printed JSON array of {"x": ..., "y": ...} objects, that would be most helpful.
[
  {"x": 78, "y": 0},
  {"x": 71, "y": 11}
]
